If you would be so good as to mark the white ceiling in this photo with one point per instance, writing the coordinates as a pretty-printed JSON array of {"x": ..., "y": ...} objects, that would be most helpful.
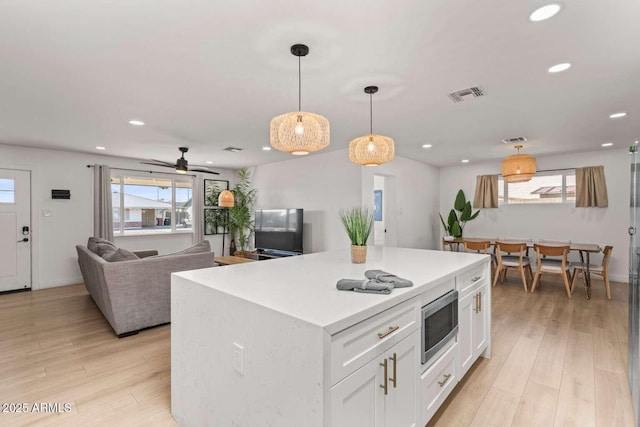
[{"x": 210, "y": 74}]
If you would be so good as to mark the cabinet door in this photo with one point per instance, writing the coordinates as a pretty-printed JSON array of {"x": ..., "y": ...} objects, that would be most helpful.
[
  {"x": 401, "y": 402},
  {"x": 481, "y": 322},
  {"x": 466, "y": 347},
  {"x": 357, "y": 400}
]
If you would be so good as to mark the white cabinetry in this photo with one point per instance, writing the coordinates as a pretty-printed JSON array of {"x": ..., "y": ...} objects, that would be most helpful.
[
  {"x": 383, "y": 392},
  {"x": 473, "y": 316},
  {"x": 438, "y": 381}
]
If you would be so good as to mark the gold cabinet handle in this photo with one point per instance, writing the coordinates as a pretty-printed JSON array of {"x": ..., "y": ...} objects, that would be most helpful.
[
  {"x": 444, "y": 381},
  {"x": 480, "y": 301},
  {"x": 475, "y": 297},
  {"x": 394, "y": 358},
  {"x": 391, "y": 330},
  {"x": 386, "y": 377}
]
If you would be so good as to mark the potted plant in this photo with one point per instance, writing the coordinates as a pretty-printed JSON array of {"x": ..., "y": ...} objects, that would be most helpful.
[
  {"x": 458, "y": 216},
  {"x": 358, "y": 223},
  {"x": 240, "y": 222}
]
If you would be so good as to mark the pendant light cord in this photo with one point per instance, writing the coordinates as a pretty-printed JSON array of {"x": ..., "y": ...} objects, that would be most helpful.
[
  {"x": 299, "y": 87},
  {"x": 371, "y": 113}
]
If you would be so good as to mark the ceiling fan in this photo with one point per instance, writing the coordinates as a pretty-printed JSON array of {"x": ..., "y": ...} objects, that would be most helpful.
[{"x": 181, "y": 165}]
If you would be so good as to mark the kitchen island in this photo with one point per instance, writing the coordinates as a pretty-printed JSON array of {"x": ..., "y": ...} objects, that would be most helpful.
[{"x": 276, "y": 344}]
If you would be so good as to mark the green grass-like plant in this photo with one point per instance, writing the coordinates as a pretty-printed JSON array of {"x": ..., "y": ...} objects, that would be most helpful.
[{"x": 358, "y": 223}]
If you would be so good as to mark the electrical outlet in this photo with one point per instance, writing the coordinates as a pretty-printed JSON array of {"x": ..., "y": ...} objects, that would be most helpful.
[{"x": 238, "y": 358}]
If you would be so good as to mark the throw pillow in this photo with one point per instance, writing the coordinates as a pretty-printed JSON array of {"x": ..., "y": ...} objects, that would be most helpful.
[
  {"x": 120, "y": 255},
  {"x": 100, "y": 246},
  {"x": 196, "y": 249}
]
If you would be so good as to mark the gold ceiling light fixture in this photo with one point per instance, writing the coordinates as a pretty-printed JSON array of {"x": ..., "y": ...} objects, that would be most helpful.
[
  {"x": 299, "y": 132},
  {"x": 518, "y": 167},
  {"x": 226, "y": 199},
  {"x": 372, "y": 149}
]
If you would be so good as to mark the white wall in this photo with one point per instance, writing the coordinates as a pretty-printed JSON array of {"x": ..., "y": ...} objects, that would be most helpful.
[
  {"x": 415, "y": 187},
  {"x": 604, "y": 226},
  {"x": 323, "y": 183},
  {"x": 54, "y": 259}
]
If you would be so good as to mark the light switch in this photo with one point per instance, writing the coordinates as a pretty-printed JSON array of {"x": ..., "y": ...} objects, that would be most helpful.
[
  {"x": 238, "y": 358},
  {"x": 46, "y": 212}
]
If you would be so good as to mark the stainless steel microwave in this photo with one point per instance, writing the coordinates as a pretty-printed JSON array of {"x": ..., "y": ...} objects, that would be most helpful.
[{"x": 439, "y": 324}]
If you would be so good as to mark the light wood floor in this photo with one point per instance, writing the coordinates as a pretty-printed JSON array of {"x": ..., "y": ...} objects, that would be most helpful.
[{"x": 555, "y": 362}]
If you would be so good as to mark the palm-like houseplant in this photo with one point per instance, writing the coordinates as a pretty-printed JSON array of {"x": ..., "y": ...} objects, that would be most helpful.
[
  {"x": 240, "y": 222},
  {"x": 458, "y": 216},
  {"x": 358, "y": 223}
]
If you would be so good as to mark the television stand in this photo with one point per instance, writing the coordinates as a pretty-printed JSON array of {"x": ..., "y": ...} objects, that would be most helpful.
[{"x": 268, "y": 254}]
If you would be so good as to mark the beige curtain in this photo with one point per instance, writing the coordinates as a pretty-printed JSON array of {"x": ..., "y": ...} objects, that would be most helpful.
[
  {"x": 197, "y": 209},
  {"x": 591, "y": 187},
  {"x": 102, "y": 210},
  {"x": 486, "y": 192}
]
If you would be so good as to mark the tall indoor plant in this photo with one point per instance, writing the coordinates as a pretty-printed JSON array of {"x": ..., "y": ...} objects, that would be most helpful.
[
  {"x": 358, "y": 223},
  {"x": 458, "y": 216},
  {"x": 240, "y": 222}
]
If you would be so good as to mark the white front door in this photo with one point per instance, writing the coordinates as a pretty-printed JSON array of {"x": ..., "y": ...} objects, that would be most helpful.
[{"x": 15, "y": 229}]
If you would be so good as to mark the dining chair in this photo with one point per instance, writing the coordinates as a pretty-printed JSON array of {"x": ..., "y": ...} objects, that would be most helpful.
[
  {"x": 600, "y": 270},
  {"x": 554, "y": 266},
  {"x": 481, "y": 247},
  {"x": 520, "y": 261}
]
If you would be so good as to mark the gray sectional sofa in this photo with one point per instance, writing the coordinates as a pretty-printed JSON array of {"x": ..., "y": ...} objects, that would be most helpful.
[{"x": 135, "y": 293}]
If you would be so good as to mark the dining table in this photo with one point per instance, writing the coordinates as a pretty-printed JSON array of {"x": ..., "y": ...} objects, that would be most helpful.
[{"x": 584, "y": 250}]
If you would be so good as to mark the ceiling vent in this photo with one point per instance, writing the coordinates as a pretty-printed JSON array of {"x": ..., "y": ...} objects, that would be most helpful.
[
  {"x": 232, "y": 149},
  {"x": 515, "y": 140},
  {"x": 473, "y": 92}
]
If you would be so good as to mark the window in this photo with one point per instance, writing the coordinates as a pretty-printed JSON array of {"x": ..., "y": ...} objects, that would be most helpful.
[
  {"x": 151, "y": 205},
  {"x": 546, "y": 187},
  {"x": 7, "y": 190}
]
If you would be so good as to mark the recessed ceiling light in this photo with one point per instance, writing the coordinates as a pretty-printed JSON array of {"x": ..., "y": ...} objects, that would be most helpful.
[
  {"x": 209, "y": 162},
  {"x": 465, "y": 161},
  {"x": 617, "y": 115},
  {"x": 100, "y": 148},
  {"x": 545, "y": 12},
  {"x": 265, "y": 148},
  {"x": 559, "y": 67},
  {"x": 427, "y": 146},
  {"x": 136, "y": 122},
  {"x": 607, "y": 144}
]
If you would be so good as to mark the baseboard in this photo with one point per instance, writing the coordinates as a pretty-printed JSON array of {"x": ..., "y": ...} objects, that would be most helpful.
[
  {"x": 58, "y": 283},
  {"x": 614, "y": 278}
]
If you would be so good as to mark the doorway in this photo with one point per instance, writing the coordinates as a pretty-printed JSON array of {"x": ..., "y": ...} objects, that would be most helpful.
[
  {"x": 384, "y": 211},
  {"x": 15, "y": 230}
]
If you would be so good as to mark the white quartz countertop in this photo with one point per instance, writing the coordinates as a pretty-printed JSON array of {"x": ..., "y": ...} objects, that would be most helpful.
[{"x": 304, "y": 287}]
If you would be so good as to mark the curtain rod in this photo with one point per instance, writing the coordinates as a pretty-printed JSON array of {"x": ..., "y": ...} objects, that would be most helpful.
[
  {"x": 138, "y": 170},
  {"x": 552, "y": 170}
]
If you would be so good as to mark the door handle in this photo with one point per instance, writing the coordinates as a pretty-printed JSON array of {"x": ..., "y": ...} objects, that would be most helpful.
[
  {"x": 384, "y": 386},
  {"x": 26, "y": 239},
  {"x": 394, "y": 358}
]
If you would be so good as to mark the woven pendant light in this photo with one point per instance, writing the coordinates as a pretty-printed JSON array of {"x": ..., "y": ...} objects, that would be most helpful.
[
  {"x": 299, "y": 132},
  {"x": 226, "y": 199},
  {"x": 372, "y": 149},
  {"x": 518, "y": 167}
]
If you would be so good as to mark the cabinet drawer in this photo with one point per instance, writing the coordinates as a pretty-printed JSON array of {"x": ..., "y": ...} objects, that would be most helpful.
[
  {"x": 465, "y": 282},
  {"x": 437, "y": 382},
  {"x": 353, "y": 347}
]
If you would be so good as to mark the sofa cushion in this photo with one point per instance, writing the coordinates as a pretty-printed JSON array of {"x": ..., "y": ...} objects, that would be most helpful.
[
  {"x": 100, "y": 246},
  {"x": 120, "y": 254},
  {"x": 196, "y": 249}
]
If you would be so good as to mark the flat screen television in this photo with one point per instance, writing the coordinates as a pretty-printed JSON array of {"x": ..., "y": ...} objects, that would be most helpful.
[{"x": 279, "y": 231}]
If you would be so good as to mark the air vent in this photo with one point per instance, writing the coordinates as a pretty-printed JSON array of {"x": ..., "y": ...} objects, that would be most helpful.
[
  {"x": 459, "y": 95},
  {"x": 232, "y": 149},
  {"x": 517, "y": 139}
]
